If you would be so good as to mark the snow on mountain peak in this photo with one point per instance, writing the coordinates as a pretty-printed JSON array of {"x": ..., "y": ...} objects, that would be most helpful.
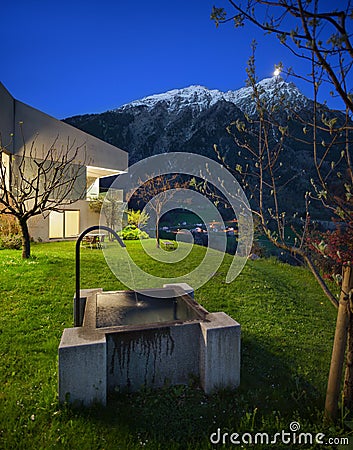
[
  {"x": 270, "y": 89},
  {"x": 197, "y": 96},
  {"x": 200, "y": 98}
]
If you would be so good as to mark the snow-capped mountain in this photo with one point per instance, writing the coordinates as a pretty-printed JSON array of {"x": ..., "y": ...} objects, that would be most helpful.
[
  {"x": 190, "y": 119},
  {"x": 196, "y": 97},
  {"x": 195, "y": 118},
  {"x": 200, "y": 98}
]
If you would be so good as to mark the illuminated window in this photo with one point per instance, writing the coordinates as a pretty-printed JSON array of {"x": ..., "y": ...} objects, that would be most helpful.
[
  {"x": 64, "y": 224},
  {"x": 72, "y": 223},
  {"x": 56, "y": 225}
]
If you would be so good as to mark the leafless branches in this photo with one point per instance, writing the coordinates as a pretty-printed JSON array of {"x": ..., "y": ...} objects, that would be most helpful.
[
  {"x": 34, "y": 181},
  {"x": 306, "y": 30}
]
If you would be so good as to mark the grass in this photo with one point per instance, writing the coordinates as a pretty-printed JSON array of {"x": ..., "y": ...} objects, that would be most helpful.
[{"x": 287, "y": 333}]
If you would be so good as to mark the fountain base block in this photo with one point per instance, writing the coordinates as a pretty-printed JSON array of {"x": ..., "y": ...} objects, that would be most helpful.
[{"x": 159, "y": 336}]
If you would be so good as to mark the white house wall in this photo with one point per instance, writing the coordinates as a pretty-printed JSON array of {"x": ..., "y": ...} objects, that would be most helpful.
[
  {"x": 7, "y": 117},
  {"x": 44, "y": 130},
  {"x": 39, "y": 225}
]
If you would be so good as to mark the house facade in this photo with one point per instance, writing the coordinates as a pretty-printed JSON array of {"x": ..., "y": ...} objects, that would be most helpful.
[{"x": 98, "y": 158}]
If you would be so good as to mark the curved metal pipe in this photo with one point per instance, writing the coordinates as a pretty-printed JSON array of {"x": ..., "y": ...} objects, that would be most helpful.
[{"x": 77, "y": 308}]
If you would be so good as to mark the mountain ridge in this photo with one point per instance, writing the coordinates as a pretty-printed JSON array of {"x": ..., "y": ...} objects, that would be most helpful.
[
  {"x": 173, "y": 120},
  {"x": 202, "y": 98},
  {"x": 194, "y": 119}
]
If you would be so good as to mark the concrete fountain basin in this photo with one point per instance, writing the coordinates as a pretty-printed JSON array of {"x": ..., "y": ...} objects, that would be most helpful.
[{"x": 130, "y": 340}]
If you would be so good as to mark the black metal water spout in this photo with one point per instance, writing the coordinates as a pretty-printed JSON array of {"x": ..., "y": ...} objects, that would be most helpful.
[{"x": 77, "y": 307}]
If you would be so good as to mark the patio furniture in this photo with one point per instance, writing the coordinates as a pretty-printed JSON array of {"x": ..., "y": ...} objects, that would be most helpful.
[{"x": 94, "y": 240}]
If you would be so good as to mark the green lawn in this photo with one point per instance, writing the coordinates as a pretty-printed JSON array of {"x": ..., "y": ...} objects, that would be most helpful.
[{"x": 287, "y": 332}]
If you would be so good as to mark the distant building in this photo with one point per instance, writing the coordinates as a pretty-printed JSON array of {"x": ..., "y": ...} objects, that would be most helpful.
[{"x": 101, "y": 160}]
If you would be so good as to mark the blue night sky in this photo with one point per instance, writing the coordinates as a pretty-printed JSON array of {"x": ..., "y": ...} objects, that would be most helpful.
[{"x": 74, "y": 57}]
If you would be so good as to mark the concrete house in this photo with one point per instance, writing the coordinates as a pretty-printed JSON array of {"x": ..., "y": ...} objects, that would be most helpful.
[{"x": 100, "y": 160}]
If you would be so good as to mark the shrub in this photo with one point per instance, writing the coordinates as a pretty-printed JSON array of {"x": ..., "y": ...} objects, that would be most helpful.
[
  {"x": 131, "y": 232},
  {"x": 11, "y": 241},
  {"x": 137, "y": 218},
  {"x": 8, "y": 225},
  {"x": 332, "y": 249},
  {"x": 10, "y": 232},
  {"x": 169, "y": 245}
]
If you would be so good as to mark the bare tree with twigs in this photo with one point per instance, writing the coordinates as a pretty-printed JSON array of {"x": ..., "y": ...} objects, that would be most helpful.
[
  {"x": 34, "y": 182},
  {"x": 321, "y": 39},
  {"x": 160, "y": 189},
  {"x": 309, "y": 30}
]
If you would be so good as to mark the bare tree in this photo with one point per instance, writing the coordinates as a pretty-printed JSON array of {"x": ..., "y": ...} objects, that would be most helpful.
[
  {"x": 110, "y": 204},
  {"x": 34, "y": 182},
  {"x": 309, "y": 30},
  {"x": 160, "y": 189},
  {"x": 262, "y": 176},
  {"x": 322, "y": 40}
]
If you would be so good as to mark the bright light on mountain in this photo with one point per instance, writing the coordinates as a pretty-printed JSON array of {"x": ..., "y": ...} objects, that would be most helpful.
[{"x": 277, "y": 72}]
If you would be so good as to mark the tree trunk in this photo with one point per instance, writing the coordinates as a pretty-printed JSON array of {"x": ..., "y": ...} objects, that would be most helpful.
[
  {"x": 157, "y": 237},
  {"x": 338, "y": 351},
  {"x": 348, "y": 377},
  {"x": 26, "y": 242},
  {"x": 157, "y": 233}
]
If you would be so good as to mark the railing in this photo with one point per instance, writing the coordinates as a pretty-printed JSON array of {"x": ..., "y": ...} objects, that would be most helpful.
[{"x": 78, "y": 316}]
